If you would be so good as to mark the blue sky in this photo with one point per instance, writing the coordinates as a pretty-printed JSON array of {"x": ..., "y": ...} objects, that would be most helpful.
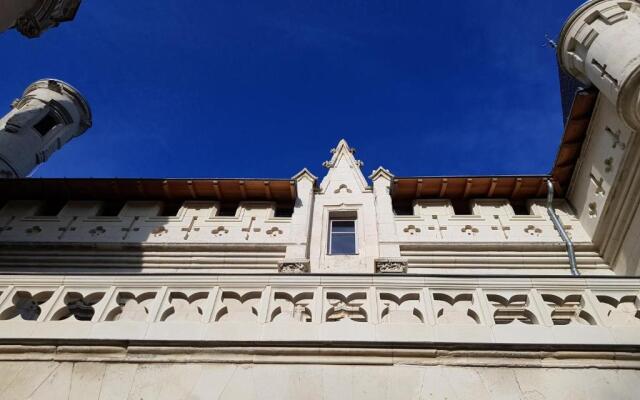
[{"x": 263, "y": 88}]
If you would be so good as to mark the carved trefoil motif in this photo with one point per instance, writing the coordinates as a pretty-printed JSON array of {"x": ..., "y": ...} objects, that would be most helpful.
[
  {"x": 624, "y": 311},
  {"x": 400, "y": 308},
  {"x": 185, "y": 307},
  {"x": 568, "y": 309},
  {"x": 456, "y": 309},
  {"x": 512, "y": 309},
  {"x": 238, "y": 306},
  {"x": 131, "y": 307},
  {"x": 291, "y": 308},
  {"x": 347, "y": 307}
]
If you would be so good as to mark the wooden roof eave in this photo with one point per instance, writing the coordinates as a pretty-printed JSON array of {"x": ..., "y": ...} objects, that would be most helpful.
[
  {"x": 227, "y": 190},
  {"x": 506, "y": 186}
]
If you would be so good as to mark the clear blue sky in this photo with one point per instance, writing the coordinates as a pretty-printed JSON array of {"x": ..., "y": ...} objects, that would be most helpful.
[{"x": 263, "y": 88}]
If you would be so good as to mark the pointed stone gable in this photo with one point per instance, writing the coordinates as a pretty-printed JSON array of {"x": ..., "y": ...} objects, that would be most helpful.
[{"x": 344, "y": 175}]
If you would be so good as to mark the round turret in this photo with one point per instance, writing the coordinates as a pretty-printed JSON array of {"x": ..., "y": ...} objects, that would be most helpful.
[
  {"x": 600, "y": 46},
  {"x": 48, "y": 115}
]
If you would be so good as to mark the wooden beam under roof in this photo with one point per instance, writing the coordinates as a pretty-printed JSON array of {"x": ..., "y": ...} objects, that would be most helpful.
[{"x": 279, "y": 190}]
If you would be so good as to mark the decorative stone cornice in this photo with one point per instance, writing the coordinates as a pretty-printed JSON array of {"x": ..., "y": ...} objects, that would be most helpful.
[
  {"x": 47, "y": 14},
  {"x": 294, "y": 266},
  {"x": 391, "y": 265}
]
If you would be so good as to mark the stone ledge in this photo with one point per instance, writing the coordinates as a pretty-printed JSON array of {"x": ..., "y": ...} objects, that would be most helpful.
[{"x": 331, "y": 355}]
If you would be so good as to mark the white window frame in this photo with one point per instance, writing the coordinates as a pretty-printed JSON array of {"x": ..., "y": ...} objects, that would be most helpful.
[{"x": 355, "y": 234}]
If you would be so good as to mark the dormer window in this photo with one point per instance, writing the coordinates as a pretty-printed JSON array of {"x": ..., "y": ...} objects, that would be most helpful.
[{"x": 342, "y": 235}]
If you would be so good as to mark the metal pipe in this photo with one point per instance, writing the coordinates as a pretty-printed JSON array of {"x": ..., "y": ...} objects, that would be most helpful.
[{"x": 563, "y": 234}]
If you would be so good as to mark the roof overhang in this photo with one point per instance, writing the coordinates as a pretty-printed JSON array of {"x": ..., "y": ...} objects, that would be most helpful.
[
  {"x": 405, "y": 189},
  {"x": 226, "y": 190}
]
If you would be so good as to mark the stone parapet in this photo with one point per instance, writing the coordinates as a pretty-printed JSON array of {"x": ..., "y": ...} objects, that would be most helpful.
[
  {"x": 142, "y": 222},
  {"x": 366, "y": 308}
]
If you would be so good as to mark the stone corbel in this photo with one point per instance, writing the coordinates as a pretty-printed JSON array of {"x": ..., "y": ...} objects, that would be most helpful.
[
  {"x": 294, "y": 266},
  {"x": 391, "y": 265}
]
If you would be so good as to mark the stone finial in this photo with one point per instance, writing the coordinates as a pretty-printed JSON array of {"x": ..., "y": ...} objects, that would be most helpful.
[
  {"x": 342, "y": 146},
  {"x": 381, "y": 172},
  {"x": 304, "y": 174},
  {"x": 294, "y": 266},
  {"x": 391, "y": 265}
]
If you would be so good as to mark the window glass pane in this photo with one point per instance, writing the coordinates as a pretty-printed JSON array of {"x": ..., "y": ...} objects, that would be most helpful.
[
  {"x": 343, "y": 226},
  {"x": 343, "y": 243}
]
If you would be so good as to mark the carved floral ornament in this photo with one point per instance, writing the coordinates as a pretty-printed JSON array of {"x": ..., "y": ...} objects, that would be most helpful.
[
  {"x": 294, "y": 266},
  {"x": 391, "y": 265}
]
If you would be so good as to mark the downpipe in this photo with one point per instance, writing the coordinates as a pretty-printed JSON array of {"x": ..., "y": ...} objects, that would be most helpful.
[{"x": 563, "y": 234}]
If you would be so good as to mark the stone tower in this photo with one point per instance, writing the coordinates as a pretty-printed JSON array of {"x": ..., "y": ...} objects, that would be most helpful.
[
  {"x": 32, "y": 17},
  {"x": 599, "y": 46},
  {"x": 48, "y": 115}
]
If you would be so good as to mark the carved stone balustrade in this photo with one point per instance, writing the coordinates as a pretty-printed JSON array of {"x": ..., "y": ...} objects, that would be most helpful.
[{"x": 373, "y": 308}]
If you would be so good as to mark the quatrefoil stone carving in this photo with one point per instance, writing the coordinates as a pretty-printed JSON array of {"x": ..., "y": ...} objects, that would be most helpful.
[
  {"x": 274, "y": 231},
  {"x": 34, "y": 230},
  {"x": 469, "y": 230},
  {"x": 159, "y": 231},
  {"x": 533, "y": 230},
  {"x": 220, "y": 231},
  {"x": 97, "y": 231},
  {"x": 411, "y": 229}
]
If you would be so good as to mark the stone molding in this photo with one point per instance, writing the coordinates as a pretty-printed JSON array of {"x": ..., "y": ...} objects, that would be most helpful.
[
  {"x": 391, "y": 265},
  {"x": 114, "y": 351},
  {"x": 294, "y": 266}
]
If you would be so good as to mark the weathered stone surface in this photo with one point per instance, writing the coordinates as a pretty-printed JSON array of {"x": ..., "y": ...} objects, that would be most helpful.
[{"x": 48, "y": 380}]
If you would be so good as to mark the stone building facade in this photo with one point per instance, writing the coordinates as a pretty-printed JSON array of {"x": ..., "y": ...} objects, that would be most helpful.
[{"x": 345, "y": 287}]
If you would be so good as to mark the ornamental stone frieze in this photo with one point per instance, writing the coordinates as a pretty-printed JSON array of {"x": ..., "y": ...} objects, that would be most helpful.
[
  {"x": 292, "y": 266},
  {"x": 391, "y": 265}
]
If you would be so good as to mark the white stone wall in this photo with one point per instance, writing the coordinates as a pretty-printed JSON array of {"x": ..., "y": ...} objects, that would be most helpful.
[
  {"x": 191, "y": 380},
  {"x": 604, "y": 152},
  {"x": 141, "y": 222}
]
